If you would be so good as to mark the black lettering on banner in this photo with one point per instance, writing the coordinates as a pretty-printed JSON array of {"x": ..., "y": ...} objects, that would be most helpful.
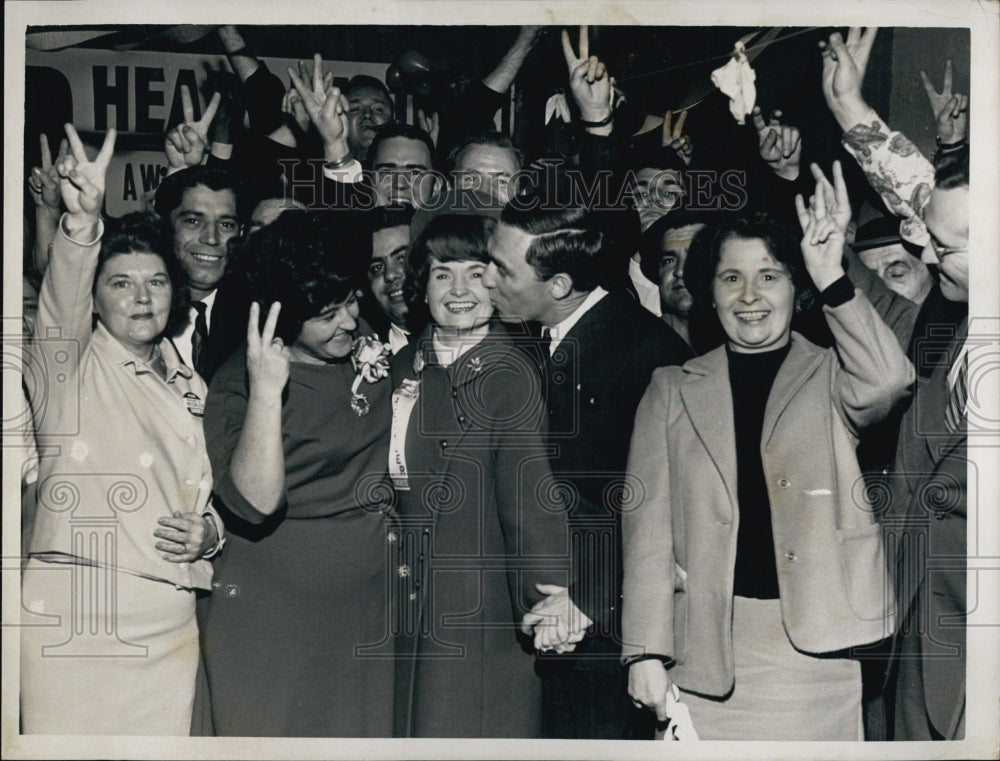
[
  {"x": 106, "y": 94},
  {"x": 145, "y": 98},
  {"x": 128, "y": 191},
  {"x": 151, "y": 174},
  {"x": 184, "y": 77}
]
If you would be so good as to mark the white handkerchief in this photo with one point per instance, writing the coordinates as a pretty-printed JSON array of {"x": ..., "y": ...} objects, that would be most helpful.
[
  {"x": 736, "y": 81},
  {"x": 557, "y": 106},
  {"x": 680, "y": 726}
]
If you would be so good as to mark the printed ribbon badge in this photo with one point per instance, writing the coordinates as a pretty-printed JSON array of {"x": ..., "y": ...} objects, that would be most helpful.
[{"x": 370, "y": 358}]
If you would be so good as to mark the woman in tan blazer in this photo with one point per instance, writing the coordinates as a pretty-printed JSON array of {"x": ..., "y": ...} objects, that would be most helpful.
[{"x": 753, "y": 561}]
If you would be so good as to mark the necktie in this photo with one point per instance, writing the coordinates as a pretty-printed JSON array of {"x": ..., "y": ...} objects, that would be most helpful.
[
  {"x": 547, "y": 340},
  {"x": 958, "y": 394},
  {"x": 199, "y": 337}
]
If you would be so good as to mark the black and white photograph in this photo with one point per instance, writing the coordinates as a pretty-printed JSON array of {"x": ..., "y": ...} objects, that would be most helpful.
[{"x": 436, "y": 379}]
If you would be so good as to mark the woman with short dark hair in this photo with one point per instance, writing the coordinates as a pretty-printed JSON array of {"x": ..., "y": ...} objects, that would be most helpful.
[
  {"x": 483, "y": 520},
  {"x": 753, "y": 563},
  {"x": 297, "y": 426}
]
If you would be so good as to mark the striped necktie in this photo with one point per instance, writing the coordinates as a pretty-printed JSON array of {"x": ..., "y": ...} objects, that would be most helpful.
[
  {"x": 199, "y": 337},
  {"x": 958, "y": 393}
]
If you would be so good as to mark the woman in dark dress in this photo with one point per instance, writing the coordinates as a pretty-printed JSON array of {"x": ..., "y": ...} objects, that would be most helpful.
[
  {"x": 481, "y": 525},
  {"x": 298, "y": 437}
]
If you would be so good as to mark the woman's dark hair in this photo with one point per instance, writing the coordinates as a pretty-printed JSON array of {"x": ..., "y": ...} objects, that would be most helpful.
[
  {"x": 307, "y": 260},
  {"x": 703, "y": 260},
  {"x": 447, "y": 238},
  {"x": 143, "y": 232}
]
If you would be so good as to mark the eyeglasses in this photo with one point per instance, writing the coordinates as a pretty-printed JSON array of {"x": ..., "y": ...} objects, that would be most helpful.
[{"x": 941, "y": 251}]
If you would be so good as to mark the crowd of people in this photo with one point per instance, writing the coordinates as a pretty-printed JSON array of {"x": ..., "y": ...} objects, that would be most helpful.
[{"x": 362, "y": 441}]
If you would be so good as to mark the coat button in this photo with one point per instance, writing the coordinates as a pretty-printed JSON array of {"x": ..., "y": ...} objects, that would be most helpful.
[
  {"x": 783, "y": 483},
  {"x": 790, "y": 556},
  {"x": 454, "y": 393},
  {"x": 461, "y": 419},
  {"x": 188, "y": 482},
  {"x": 392, "y": 537},
  {"x": 403, "y": 571},
  {"x": 444, "y": 443}
]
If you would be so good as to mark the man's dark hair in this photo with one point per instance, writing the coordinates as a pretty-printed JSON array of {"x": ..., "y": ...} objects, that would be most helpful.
[
  {"x": 399, "y": 129},
  {"x": 651, "y": 243},
  {"x": 385, "y": 217},
  {"x": 364, "y": 80},
  {"x": 951, "y": 170},
  {"x": 495, "y": 139},
  {"x": 141, "y": 232},
  {"x": 566, "y": 240},
  {"x": 171, "y": 189}
]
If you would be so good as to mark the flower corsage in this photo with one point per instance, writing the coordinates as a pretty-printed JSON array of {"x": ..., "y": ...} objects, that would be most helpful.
[{"x": 370, "y": 358}]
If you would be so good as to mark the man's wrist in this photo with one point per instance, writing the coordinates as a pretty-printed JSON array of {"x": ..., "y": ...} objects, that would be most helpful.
[
  {"x": 852, "y": 113},
  {"x": 337, "y": 153}
]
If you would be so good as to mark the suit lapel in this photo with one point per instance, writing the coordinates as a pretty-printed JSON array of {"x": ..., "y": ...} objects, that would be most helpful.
[
  {"x": 709, "y": 404},
  {"x": 802, "y": 361}
]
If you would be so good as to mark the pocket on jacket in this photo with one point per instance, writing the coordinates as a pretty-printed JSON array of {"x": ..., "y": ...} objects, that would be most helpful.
[{"x": 866, "y": 578}]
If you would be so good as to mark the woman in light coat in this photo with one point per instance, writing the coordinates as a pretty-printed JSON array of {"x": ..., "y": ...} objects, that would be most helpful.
[{"x": 753, "y": 562}]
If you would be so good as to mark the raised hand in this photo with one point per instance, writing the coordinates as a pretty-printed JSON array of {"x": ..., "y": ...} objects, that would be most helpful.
[
  {"x": 673, "y": 136},
  {"x": 780, "y": 145},
  {"x": 429, "y": 124},
  {"x": 292, "y": 105},
  {"x": 589, "y": 80},
  {"x": 82, "y": 181},
  {"x": 951, "y": 110},
  {"x": 838, "y": 205},
  {"x": 267, "y": 357},
  {"x": 185, "y": 537},
  {"x": 44, "y": 180},
  {"x": 326, "y": 107},
  {"x": 822, "y": 239},
  {"x": 557, "y": 622},
  {"x": 186, "y": 143},
  {"x": 844, "y": 66},
  {"x": 228, "y": 114}
]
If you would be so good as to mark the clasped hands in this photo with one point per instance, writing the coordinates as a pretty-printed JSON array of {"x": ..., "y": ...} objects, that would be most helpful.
[{"x": 558, "y": 624}]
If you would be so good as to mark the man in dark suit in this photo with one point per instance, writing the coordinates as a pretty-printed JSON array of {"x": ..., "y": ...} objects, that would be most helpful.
[
  {"x": 600, "y": 351},
  {"x": 927, "y": 516},
  {"x": 384, "y": 306},
  {"x": 200, "y": 206}
]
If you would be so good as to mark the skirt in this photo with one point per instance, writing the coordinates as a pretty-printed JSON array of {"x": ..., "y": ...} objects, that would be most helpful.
[
  {"x": 297, "y": 639},
  {"x": 118, "y": 657},
  {"x": 780, "y": 693}
]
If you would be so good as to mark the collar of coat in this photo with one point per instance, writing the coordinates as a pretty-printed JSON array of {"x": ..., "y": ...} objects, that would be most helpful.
[
  {"x": 469, "y": 366},
  {"x": 707, "y": 396}
]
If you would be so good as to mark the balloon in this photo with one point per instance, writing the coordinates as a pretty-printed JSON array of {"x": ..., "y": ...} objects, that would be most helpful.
[
  {"x": 394, "y": 78},
  {"x": 414, "y": 65}
]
